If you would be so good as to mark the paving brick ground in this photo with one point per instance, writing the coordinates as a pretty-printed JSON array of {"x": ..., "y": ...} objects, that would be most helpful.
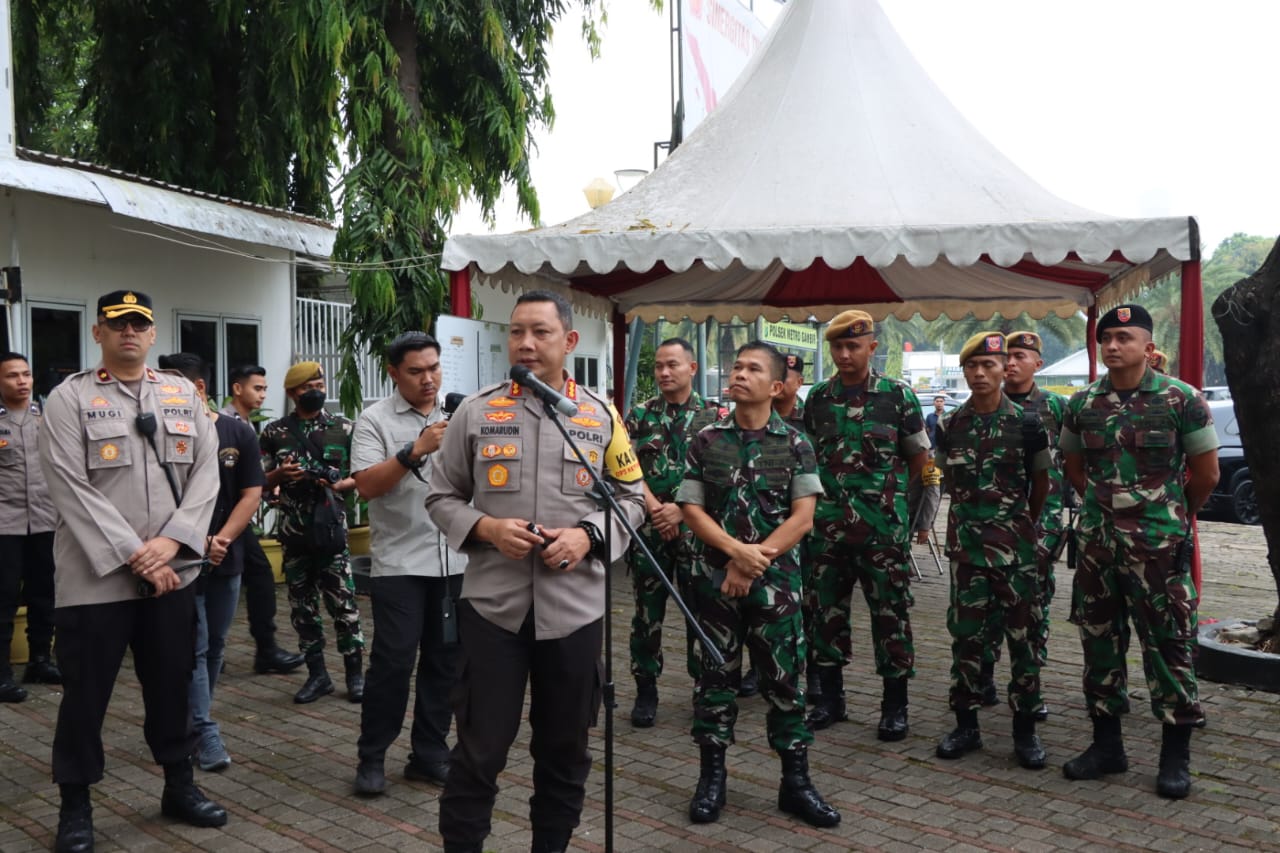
[{"x": 289, "y": 786}]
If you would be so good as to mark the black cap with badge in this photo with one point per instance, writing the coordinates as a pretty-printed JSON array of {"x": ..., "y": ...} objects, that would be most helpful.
[
  {"x": 118, "y": 303},
  {"x": 1125, "y": 315}
]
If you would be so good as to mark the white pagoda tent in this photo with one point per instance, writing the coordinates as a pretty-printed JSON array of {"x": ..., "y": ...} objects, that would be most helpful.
[{"x": 833, "y": 175}]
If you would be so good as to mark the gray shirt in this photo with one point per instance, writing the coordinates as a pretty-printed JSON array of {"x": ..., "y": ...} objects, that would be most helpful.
[
  {"x": 25, "y": 505},
  {"x": 403, "y": 540}
]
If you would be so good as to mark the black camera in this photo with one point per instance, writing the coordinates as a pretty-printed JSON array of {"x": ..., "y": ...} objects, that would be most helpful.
[{"x": 329, "y": 474}]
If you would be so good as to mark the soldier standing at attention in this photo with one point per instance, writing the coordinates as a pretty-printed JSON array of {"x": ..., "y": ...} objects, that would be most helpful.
[
  {"x": 870, "y": 440},
  {"x": 1141, "y": 448},
  {"x": 26, "y": 531},
  {"x": 132, "y": 466},
  {"x": 748, "y": 497},
  {"x": 996, "y": 460},
  {"x": 307, "y": 454},
  {"x": 1020, "y": 387},
  {"x": 660, "y": 430}
]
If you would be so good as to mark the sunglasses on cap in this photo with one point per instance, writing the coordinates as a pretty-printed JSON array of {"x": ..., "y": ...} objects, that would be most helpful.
[{"x": 117, "y": 324}]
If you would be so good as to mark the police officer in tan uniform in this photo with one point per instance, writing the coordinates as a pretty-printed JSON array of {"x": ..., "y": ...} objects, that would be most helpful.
[
  {"x": 26, "y": 531},
  {"x": 509, "y": 493},
  {"x": 118, "y": 442}
]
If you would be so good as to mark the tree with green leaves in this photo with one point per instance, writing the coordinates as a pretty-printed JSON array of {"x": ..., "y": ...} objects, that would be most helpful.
[
  {"x": 1236, "y": 257},
  {"x": 431, "y": 102}
]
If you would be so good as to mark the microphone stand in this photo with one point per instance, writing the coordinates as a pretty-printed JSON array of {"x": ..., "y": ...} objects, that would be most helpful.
[{"x": 602, "y": 493}]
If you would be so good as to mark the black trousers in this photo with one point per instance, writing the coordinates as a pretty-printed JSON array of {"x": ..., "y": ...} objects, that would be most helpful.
[
  {"x": 92, "y": 639},
  {"x": 26, "y": 575},
  {"x": 259, "y": 584},
  {"x": 406, "y": 624},
  {"x": 565, "y": 679}
]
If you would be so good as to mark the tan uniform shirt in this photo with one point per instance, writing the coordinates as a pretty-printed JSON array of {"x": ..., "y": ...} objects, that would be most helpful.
[
  {"x": 502, "y": 457},
  {"x": 110, "y": 492},
  {"x": 25, "y": 505}
]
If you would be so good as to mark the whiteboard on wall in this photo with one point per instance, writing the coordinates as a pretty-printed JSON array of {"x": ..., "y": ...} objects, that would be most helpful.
[{"x": 473, "y": 353}]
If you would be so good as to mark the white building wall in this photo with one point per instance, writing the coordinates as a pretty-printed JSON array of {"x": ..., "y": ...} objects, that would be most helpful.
[
  {"x": 72, "y": 253},
  {"x": 593, "y": 333}
]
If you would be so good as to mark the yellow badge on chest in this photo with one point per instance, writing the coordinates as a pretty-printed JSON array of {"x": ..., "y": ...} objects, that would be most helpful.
[
  {"x": 109, "y": 453},
  {"x": 498, "y": 475},
  {"x": 619, "y": 459}
]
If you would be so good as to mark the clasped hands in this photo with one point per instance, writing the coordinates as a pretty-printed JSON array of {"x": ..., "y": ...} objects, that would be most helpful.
[
  {"x": 151, "y": 563},
  {"x": 562, "y": 547},
  {"x": 746, "y": 563}
]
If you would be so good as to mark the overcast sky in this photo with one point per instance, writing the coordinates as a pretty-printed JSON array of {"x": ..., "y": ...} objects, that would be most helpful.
[{"x": 1127, "y": 107}]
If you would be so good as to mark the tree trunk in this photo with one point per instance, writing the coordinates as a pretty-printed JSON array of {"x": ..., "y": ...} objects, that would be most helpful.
[
  {"x": 402, "y": 32},
  {"x": 1248, "y": 314}
]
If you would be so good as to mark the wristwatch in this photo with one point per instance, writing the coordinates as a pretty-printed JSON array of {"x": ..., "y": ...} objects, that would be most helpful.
[
  {"x": 405, "y": 457},
  {"x": 595, "y": 538}
]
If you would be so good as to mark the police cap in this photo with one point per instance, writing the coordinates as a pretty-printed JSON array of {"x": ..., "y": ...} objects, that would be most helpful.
[{"x": 118, "y": 303}]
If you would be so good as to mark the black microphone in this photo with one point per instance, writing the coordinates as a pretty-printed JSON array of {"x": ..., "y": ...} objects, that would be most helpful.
[
  {"x": 543, "y": 391},
  {"x": 452, "y": 401}
]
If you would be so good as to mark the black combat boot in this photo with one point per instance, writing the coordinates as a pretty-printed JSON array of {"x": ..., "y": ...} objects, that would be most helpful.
[
  {"x": 1174, "y": 779},
  {"x": 893, "y": 710},
  {"x": 10, "y": 690},
  {"x": 1026, "y": 743},
  {"x": 75, "y": 821},
  {"x": 750, "y": 684},
  {"x": 183, "y": 800},
  {"x": 964, "y": 738},
  {"x": 318, "y": 682},
  {"x": 41, "y": 670},
  {"x": 272, "y": 658},
  {"x": 463, "y": 847},
  {"x": 826, "y": 697},
  {"x": 1104, "y": 755},
  {"x": 645, "y": 711},
  {"x": 354, "y": 664},
  {"x": 796, "y": 794},
  {"x": 550, "y": 841},
  {"x": 709, "y": 796},
  {"x": 987, "y": 685}
]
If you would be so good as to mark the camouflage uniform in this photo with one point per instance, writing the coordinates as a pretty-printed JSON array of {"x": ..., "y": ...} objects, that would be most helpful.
[
  {"x": 311, "y": 577},
  {"x": 1051, "y": 407},
  {"x": 863, "y": 438},
  {"x": 991, "y": 542},
  {"x": 660, "y": 433},
  {"x": 746, "y": 481},
  {"x": 1133, "y": 522},
  {"x": 796, "y": 418}
]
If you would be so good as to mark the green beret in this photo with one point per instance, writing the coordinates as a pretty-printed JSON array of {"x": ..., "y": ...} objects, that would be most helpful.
[
  {"x": 983, "y": 343},
  {"x": 1023, "y": 340},
  {"x": 850, "y": 324},
  {"x": 302, "y": 373}
]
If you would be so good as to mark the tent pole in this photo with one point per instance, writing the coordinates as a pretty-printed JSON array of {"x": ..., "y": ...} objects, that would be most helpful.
[
  {"x": 628, "y": 356},
  {"x": 460, "y": 292},
  {"x": 702, "y": 359},
  {"x": 1191, "y": 326},
  {"x": 1091, "y": 340},
  {"x": 1191, "y": 361}
]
